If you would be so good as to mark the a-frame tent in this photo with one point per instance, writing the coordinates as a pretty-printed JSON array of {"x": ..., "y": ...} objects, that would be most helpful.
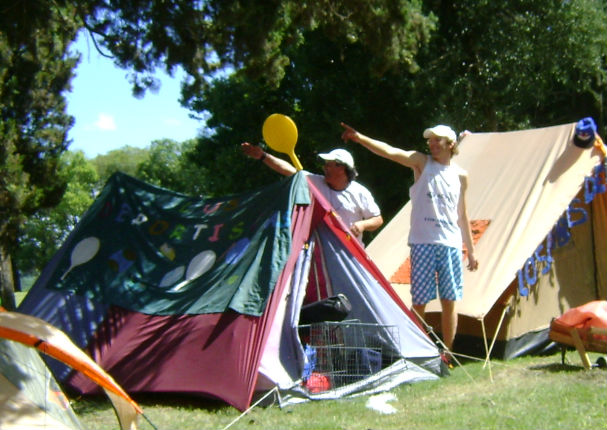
[
  {"x": 538, "y": 208},
  {"x": 173, "y": 293}
]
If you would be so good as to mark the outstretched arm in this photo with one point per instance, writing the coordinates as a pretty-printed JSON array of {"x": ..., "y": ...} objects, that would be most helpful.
[
  {"x": 277, "y": 164},
  {"x": 413, "y": 159}
]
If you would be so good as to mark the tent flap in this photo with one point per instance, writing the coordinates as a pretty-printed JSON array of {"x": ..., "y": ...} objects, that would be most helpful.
[{"x": 158, "y": 252}]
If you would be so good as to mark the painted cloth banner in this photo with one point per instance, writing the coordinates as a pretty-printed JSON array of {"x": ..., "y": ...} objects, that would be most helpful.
[{"x": 158, "y": 252}]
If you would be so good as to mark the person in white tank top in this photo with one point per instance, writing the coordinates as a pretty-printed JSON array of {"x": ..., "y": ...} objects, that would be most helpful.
[{"x": 439, "y": 220}]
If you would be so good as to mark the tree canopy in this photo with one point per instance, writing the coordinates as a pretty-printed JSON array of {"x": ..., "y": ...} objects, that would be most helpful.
[
  {"x": 485, "y": 68},
  {"x": 530, "y": 64},
  {"x": 248, "y": 36},
  {"x": 35, "y": 70}
]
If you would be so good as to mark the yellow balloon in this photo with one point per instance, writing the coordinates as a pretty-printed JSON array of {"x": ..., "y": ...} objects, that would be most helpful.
[{"x": 280, "y": 133}]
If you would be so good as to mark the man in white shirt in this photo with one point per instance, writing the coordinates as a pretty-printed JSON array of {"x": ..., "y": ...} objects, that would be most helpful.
[
  {"x": 439, "y": 220},
  {"x": 352, "y": 201}
]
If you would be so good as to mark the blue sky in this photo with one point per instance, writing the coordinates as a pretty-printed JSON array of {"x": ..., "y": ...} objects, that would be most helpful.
[{"x": 108, "y": 117}]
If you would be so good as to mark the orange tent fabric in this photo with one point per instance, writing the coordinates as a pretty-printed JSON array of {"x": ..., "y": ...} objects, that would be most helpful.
[
  {"x": 592, "y": 314},
  {"x": 36, "y": 333}
]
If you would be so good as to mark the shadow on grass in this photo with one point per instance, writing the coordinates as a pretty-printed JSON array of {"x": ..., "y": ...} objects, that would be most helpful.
[
  {"x": 598, "y": 363},
  {"x": 557, "y": 367},
  {"x": 146, "y": 400},
  {"x": 181, "y": 400}
]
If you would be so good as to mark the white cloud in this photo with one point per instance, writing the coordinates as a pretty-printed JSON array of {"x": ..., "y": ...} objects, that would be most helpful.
[
  {"x": 173, "y": 122},
  {"x": 105, "y": 122}
]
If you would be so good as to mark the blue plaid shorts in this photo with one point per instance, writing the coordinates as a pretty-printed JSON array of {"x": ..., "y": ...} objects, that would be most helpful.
[{"x": 435, "y": 266}]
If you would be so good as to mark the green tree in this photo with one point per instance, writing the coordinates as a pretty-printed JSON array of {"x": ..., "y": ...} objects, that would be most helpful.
[
  {"x": 376, "y": 64},
  {"x": 35, "y": 70},
  {"x": 250, "y": 36},
  {"x": 44, "y": 232},
  {"x": 125, "y": 159},
  {"x": 493, "y": 67},
  {"x": 469, "y": 77},
  {"x": 169, "y": 165}
]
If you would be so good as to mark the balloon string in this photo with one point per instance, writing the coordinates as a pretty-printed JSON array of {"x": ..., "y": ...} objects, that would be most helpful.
[{"x": 68, "y": 271}]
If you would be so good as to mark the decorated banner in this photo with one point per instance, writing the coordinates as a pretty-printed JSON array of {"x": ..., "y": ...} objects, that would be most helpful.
[
  {"x": 560, "y": 235},
  {"x": 159, "y": 252}
]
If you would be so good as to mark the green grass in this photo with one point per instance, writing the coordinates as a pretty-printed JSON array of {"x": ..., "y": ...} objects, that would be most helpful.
[
  {"x": 525, "y": 393},
  {"x": 19, "y": 296}
]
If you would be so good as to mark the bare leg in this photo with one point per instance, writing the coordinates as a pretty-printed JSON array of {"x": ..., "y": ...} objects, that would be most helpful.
[
  {"x": 448, "y": 322},
  {"x": 421, "y": 310}
]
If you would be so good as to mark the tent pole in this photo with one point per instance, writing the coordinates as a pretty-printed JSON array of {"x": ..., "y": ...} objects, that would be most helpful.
[
  {"x": 595, "y": 252},
  {"x": 487, "y": 361},
  {"x": 497, "y": 329},
  {"x": 318, "y": 297}
]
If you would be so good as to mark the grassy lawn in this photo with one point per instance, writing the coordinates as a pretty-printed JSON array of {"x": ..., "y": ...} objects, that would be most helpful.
[{"x": 525, "y": 393}]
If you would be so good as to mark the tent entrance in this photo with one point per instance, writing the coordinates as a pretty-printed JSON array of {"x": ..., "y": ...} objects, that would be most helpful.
[
  {"x": 362, "y": 353},
  {"x": 339, "y": 348},
  {"x": 345, "y": 352}
]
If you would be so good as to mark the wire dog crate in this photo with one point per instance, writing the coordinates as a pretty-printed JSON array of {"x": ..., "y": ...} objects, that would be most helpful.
[{"x": 341, "y": 353}]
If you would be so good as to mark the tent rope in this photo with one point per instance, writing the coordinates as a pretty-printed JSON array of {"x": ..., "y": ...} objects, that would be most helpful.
[
  {"x": 439, "y": 341},
  {"x": 275, "y": 389},
  {"x": 150, "y": 422}
]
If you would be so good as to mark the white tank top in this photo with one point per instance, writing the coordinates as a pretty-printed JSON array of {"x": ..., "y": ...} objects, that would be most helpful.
[{"x": 434, "y": 199}]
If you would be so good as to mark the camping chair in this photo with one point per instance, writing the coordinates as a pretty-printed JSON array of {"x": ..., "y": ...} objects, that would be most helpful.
[{"x": 584, "y": 339}]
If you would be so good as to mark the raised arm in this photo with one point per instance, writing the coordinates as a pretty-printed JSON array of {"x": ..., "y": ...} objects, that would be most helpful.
[
  {"x": 413, "y": 159},
  {"x": 277, "y": 164}
]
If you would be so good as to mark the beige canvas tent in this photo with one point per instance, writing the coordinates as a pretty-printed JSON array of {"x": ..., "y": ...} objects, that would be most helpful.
[{"x": 541, "y": 206}]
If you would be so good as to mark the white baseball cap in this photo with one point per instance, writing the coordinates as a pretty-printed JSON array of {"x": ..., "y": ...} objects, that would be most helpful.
[
  {"x": 441, "y": 131},
  {"x": 339, "y": 155}
]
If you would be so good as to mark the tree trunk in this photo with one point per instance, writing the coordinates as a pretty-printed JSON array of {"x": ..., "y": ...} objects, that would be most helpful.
[{"x": 7, "y": 290}]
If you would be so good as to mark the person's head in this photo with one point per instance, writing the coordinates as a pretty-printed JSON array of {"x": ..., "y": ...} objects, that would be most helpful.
[
  {"x": 339, "y": 160},
  {"x": 442, "y": 136}
]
